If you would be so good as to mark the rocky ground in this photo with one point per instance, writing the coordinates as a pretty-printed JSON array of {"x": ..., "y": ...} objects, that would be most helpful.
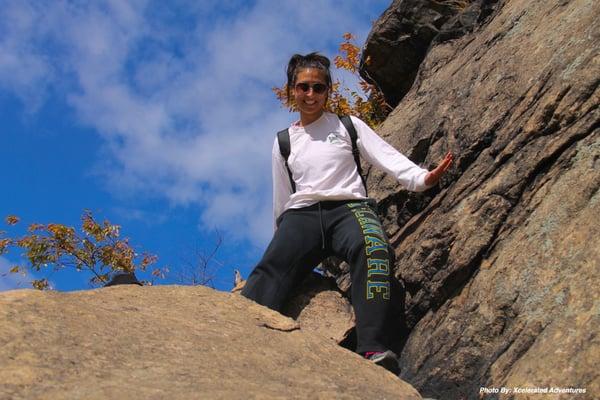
[{"x": 175, "y": 342}]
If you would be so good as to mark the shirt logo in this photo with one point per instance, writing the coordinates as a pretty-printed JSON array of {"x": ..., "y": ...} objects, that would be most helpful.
[{"x": 334, "y": 138}]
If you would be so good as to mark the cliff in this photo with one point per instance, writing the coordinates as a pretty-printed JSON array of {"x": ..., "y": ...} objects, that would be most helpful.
[{"x": 500, "y": 263}]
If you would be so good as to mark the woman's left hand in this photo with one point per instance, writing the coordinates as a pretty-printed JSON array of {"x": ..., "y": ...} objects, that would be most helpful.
[{"x": 434, "y": 176}]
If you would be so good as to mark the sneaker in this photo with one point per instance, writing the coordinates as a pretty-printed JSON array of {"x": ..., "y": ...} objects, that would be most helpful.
[{"x": 386, "y": 359}]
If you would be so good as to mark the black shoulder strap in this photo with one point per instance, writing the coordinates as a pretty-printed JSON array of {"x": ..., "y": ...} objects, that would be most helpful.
[
  {"x": 353, "y": 137},
  {"x": 283, "y": 138}
]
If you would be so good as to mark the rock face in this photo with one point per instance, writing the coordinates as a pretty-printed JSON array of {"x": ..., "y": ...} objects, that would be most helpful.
[
  {"x": 130, "y": 342},
  {"x": 501, "y": 262},
  {"x": 402, "y": 36}
]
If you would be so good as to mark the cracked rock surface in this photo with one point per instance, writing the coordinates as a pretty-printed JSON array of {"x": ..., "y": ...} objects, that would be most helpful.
[
  {"x": 501, "y": 261},
  {"x": 175, "y": 342}
]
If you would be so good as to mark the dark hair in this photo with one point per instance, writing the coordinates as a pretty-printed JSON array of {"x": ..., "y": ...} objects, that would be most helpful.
[{"x": 311, "y": 60}]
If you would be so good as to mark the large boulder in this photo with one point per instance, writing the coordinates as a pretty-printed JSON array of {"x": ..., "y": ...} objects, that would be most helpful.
[
  {"x": 500, "y": 261},
  {"x": 130, "y": 342},
  {"x": 319, "y": 306}
]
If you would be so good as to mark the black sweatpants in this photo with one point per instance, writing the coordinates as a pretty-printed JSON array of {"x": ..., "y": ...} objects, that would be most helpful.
[{"x": 350, "y": 230}]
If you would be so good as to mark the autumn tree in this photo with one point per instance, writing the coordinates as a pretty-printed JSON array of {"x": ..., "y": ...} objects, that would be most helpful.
[
  {"x": 367, "y": 103},
  {"x": 97, "y": 248}
]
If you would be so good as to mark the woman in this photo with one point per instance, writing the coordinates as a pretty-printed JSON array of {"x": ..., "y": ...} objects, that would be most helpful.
[{"x": 327, "y": 212}]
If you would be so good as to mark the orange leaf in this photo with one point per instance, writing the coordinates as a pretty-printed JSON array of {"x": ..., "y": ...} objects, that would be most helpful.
[{"x": 12, "y": 220}]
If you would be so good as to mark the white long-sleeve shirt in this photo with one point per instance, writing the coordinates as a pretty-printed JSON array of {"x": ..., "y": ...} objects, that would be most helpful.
[{"x": 323, "y": 167}]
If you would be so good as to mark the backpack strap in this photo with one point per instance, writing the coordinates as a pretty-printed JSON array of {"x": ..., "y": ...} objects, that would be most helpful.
[
  {"x": 283, "y": 138},
  {"x": 353, "y": 138}
]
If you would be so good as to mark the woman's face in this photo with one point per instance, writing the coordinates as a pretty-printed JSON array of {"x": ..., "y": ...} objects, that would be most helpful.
[{"x": 310, "y": 92}]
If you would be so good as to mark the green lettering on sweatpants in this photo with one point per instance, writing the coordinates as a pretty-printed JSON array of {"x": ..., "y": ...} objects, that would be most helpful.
[
  {"x": 372, "y": 229},
  {"x": 360, "y": 213},
  {"x": 374, "y": 244},
  {"x": 363, "y": 221},
  {"x": 377, "y": 267},
  {"x": 382, "y": 288}
]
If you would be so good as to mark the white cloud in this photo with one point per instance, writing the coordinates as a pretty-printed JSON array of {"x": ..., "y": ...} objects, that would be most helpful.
[
  {"x": 141, "y": 216},
  {"x": 10, "y": 281},
  {"x": 24, "y": 69},
  {"x": 21, "y": 279},
  {"x": 186, "y": 112}
]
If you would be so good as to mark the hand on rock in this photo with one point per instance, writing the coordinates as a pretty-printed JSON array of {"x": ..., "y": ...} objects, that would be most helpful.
[{"x": 434, "y": 176}]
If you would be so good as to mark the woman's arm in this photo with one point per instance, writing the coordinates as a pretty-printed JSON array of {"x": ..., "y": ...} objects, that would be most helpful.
[
  {"x": 282, "y": 188},
  {"x": 382, "y": 155}
]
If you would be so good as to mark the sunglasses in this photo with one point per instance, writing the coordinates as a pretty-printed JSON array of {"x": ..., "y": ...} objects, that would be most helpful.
[{"x": 318, "y": 88}]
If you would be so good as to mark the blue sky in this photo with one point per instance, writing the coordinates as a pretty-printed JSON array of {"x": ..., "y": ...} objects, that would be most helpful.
[{"x": 158, "y": 116}]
